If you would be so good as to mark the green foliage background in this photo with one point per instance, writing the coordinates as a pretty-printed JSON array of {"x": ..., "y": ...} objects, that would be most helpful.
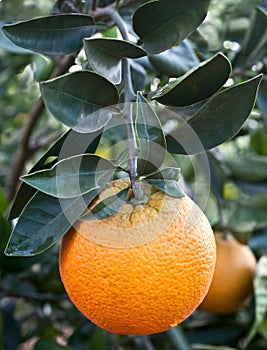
[{"x": 35, "y": 311}]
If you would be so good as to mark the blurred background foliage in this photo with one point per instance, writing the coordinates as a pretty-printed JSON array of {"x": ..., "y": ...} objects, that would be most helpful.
[{"x": 35, "y": 313}]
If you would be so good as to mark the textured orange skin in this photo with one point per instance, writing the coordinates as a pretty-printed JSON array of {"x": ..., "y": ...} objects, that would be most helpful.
[
  {"x": 144, "y": 289},
  {"x": 232, "y": 284}
]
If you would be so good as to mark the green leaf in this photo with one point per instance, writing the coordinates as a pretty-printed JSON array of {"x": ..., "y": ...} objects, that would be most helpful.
[
  {"x": 44, "y": 221},
  {"x": 258, "y": 242},
  {"x": 260, "y": 292},
  {"x": 42, "y": 67},
  {"x": 69, "y": 144},
  {"x": 79, "y": 100},
  {"x": 255, "y": 39},
  {"x": 248, "y": 168},
  {"x": 217, "y": 121},
  {"x": 73, "y": 176},
  {"x": 166, "y": 180},
  {"x": 52, "y": 35},
  {"x": 150, "y": 138},
  {"x": 7, "y": 45},
  {"x": 165, "y": 23},
  {"x": 197, "y": 84},
  {"x": 105, "y": 55},
  {"x": 106, "y": 207},
  {"x": 245, "y": 218},
  {"x": 250, "y": 188},
  {"x": 258, "y": 200},
  {"x": 176, "y": 61},
  {"x": 218, "y": 176}
]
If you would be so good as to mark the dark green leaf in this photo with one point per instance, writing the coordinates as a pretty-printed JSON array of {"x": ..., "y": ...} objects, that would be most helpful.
[
  {"x": 166, "y": 180},
  {"x": 82, "y": 100},
  {"x": 217, "y": 121},
  {"x": 218, "y": 176},
  {"x": 196, "y": 85},
  {"x": 72, "y": 176},
  {"x": 260, "y": 291},
  {"x": 106, "y": 207},
  {"x": 7, "y": 45},
  {"x": 69, "y": 144},
  {"x": 245, "y": 218},
  {"x": 258, "y": 242},
  {"x": 44, "y": 221},
  {"x": 248, "y": 168},
  {"x": 165, "y": 23},
  {"x": 139, "y": 76},
  {"x": 42, "y": 67},
  {"x": 216, "y": 331},
  {"x": 150, "y": 138},
  {"x": 105, "y": 55},
  {"x": 255, "y": 39},
  {"x": 176, "y": 61},
  {"x": 257, "y": 201},
  {"x": 251, "y": 188},
  {"x": 52, "y": 35}
]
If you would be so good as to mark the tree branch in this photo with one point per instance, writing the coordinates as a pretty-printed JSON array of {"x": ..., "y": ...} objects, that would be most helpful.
[
  {"x": 129, "y": 97},
  {"x": 24, "y": 150},
  {"x": 94, "y": 5}
]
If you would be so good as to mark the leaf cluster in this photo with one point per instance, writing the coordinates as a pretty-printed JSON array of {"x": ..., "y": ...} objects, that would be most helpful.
[
  {"x": 87, "y": 100},
  {"x": 179, "y": 93}
]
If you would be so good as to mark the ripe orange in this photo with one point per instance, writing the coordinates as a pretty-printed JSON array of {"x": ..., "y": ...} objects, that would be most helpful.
[
  {"x": 232, "y": 283},
  {"x": 144, "y": 269}
]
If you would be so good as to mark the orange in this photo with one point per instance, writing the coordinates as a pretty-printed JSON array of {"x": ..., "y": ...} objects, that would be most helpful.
[
  {"x": 232, "y": 284},
  {"x": 144, "y": 269}
]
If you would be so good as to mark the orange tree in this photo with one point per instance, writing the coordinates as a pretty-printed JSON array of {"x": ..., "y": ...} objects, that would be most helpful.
[{"x": 142, "y": 89}]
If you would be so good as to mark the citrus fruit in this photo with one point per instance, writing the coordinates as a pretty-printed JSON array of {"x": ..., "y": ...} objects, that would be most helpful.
[
  {"x": 232, "y": 283},
  {"x": 144, "y": 269}
]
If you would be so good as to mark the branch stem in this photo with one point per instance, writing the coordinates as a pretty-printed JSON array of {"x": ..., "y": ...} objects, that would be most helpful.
[
  {"x": 94, "y": 5},
  {"x": 115, "y": 16},
  {"x": 129, "y": 97}
]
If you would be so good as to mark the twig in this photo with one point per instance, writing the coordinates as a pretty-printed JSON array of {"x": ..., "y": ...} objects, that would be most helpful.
[
  {"x": 94, "y": 5},
  {"x": 128, "y": 112},
  {"x": 129, "y": 97},
  {"x": 24, "y": 150}
]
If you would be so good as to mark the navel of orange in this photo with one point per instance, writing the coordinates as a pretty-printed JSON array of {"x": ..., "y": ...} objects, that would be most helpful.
[{"x": 144, "y": 269}]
